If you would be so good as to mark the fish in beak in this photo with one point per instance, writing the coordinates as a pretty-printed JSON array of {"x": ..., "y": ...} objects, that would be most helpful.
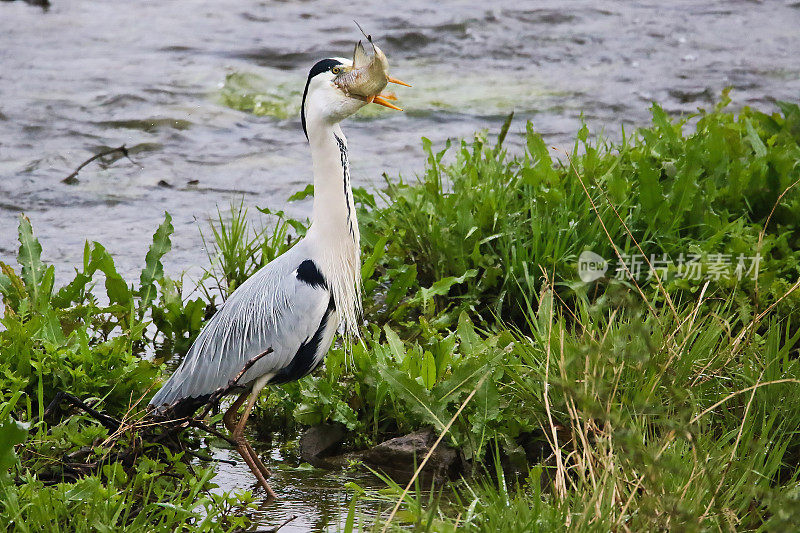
[{"x": 368, "y": 76}]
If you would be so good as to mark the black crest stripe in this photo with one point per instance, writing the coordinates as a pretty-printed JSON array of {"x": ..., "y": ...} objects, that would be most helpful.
[{"x": 320, "y": 67}]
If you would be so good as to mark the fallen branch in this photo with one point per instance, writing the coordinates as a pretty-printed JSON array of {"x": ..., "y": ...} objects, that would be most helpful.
[
  {"x": 143, "y": 428},
  {"x": 208, "y": 458},
  {"x": 109, "y": 422},
  {"x": 72, "y": 178},
  {"x": 199, "y": 424}
]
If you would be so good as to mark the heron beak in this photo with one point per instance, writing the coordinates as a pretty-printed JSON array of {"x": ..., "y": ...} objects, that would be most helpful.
[
  {"x": 398, "y": 82},
  {"x": 380, "y": 99}
]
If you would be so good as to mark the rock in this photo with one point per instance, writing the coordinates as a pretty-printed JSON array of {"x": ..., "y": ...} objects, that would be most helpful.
[
  {"x": 321, "y": 440},
  {"x": 404, "y": 454}
]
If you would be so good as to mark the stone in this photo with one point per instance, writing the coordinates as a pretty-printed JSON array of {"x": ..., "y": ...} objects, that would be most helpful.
[
  {"x": 319, "y": 441},
  {"x": 404, "y": 454}
]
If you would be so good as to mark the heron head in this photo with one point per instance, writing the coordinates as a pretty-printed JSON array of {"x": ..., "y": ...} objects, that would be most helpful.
[
  {"x": 338, "y": 87},
  {"x": 323, "y": 100}
]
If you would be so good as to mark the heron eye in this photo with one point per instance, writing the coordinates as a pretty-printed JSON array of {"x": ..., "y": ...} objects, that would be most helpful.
[{"x": 336, "y": 70}]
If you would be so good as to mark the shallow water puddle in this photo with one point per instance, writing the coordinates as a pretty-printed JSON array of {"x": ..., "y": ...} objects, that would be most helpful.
[{"x": 318, "y": 497}]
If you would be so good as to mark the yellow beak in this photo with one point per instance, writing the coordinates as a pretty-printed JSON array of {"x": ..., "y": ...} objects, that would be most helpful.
[
  {"x": 380, "y": 99},
  {"x": 398, "y": 82}
]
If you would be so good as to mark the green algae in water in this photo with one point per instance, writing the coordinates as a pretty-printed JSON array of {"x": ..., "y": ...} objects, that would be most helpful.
[
  {"x": 485, "y": 93},
  {"x": 252, "y": 93}
]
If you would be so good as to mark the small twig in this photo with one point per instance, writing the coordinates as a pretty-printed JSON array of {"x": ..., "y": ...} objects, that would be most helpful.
[
  {"x": 293, "y": 517},
  {"x": 274, "y": 529},
  {"x": 201, "y": 425},
  {"x": 171, "y": 426},
  {"x": 561, "y": 486},
  {"x": 121, "y": 149},
  {"x": 232, "y": 384}
]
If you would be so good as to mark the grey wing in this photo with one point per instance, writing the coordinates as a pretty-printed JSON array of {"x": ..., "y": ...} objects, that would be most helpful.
[{"x": 273, "y": 309}]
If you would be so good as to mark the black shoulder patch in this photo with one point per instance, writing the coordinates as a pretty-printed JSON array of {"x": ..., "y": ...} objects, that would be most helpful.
[
  {"x": 319, "y": 67},
  {"x": 304, "y": 361},
  {"x": 308, "y": 272}
]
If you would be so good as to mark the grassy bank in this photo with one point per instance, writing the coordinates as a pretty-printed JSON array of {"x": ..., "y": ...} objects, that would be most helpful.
[{"x": 657, "y": 388}]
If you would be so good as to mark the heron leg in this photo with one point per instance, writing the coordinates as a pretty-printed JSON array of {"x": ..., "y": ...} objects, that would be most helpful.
[
  {"x": 237, "y": 434},
  {"x": 259, "y": 463},
  {"x": 229, "y": 418}
]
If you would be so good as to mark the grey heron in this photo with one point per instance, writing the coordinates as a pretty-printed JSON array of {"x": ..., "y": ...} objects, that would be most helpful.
[{"x": 294, "y": 305}]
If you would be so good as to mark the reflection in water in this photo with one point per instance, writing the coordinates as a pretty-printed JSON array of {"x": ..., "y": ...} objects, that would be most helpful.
[{"x": 317, "y": 497}]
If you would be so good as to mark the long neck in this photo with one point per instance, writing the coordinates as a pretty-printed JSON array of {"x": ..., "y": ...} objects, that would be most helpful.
[
  {"x": 334, "y": 228},
  {"x": 334, "y": 212}
]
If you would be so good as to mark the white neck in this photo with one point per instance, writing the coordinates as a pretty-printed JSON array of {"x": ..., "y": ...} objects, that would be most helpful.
[
  {"x": 334, "y": 211},
  {"x": 334, "y": 228}
]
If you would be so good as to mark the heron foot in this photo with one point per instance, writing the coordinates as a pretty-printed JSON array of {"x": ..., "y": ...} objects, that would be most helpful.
[{"x": 253, "y": 463}]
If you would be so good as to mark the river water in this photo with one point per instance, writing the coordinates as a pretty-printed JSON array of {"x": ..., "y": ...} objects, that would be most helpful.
[{"x": 87, "y": 75}]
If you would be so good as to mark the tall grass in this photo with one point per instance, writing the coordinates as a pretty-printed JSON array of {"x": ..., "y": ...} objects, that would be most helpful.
[
  {"x": 638, "y": 423},
  {"x": 668, "y": 423},
  {"x": 498, "y": 222},
  {"x": 648, "y": 402},
  {"x": 237, "y": 251}
]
